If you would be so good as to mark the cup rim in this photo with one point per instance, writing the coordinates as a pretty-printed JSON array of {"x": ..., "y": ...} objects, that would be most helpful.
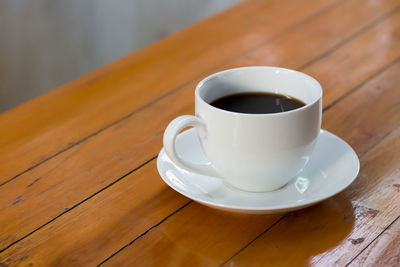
[{"x": 269, "y": 68}]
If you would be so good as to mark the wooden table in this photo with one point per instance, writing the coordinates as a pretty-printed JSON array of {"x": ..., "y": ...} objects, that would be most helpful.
[{"x": 79, "y": 184}]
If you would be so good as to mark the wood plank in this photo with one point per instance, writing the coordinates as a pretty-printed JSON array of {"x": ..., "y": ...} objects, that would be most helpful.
[
  {"x": 33, "y": 199},
  {"x": 301, "y": 234},
  {"x": 83, "y": 165},
  {"x": 384, "y": 251},
  {"x": 171, "y": 237},
  {"x": 382, "y": 49},
  {"x": 335, "y": 232},
  {"x": 281, "y": 51},
  {"x": 381, "y": 39},
  {"x": 136, "y": 204},
  {"x": 41, "y": 128},
  {"x": 373, "y": 191},
  {"x": 28, "y": 201}
]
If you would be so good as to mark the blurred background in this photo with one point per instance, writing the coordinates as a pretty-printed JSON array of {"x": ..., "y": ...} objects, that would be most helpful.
[{"x": 46, "y": 43}]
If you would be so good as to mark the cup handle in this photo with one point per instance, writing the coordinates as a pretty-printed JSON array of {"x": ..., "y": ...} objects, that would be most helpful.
[{"x": 173, "y": 129}]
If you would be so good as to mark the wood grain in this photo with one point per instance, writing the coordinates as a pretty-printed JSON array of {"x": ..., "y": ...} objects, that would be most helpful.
[
  {"x": 43, "y": 127},
  {"x": 181, "y": 237},
  {"x": 384, "y": 251},
  {"x": 330, "y": 226},
  {"x": 102, "y": 195},
  {"x": 362, "y": 205},
  {"x": 379, "y": 41},
  {"x": 134, "y": 204},
  {"x": 82, "y": 171}
]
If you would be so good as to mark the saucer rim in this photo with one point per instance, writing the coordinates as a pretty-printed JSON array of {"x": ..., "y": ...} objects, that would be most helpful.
[{"x": 271, "y": 208}]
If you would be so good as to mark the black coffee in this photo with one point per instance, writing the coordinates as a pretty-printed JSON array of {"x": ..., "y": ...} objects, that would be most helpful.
[{"x": 257, "y": 103}]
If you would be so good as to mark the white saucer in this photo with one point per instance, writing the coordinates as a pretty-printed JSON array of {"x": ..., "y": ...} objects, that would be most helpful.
[{"x": 333, "y": 166}]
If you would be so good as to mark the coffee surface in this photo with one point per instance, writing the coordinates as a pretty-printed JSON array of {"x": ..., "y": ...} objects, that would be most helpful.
[{"x": 257, "y": 103}]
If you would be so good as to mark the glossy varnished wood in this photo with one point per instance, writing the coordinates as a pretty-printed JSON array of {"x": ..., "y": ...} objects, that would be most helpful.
[
  {"x": 87, "y": 190},
  {"x": 41, "y": 128},
  {"x": 309, "y": 226},
  {"x": 83, "y": 168},
  {"x": 362, "y": 206},
  {"x": 384, "y": 250}
]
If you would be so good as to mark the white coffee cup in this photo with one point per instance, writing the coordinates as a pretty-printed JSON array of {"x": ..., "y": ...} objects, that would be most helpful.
[{"x": 252, "y": 152}]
